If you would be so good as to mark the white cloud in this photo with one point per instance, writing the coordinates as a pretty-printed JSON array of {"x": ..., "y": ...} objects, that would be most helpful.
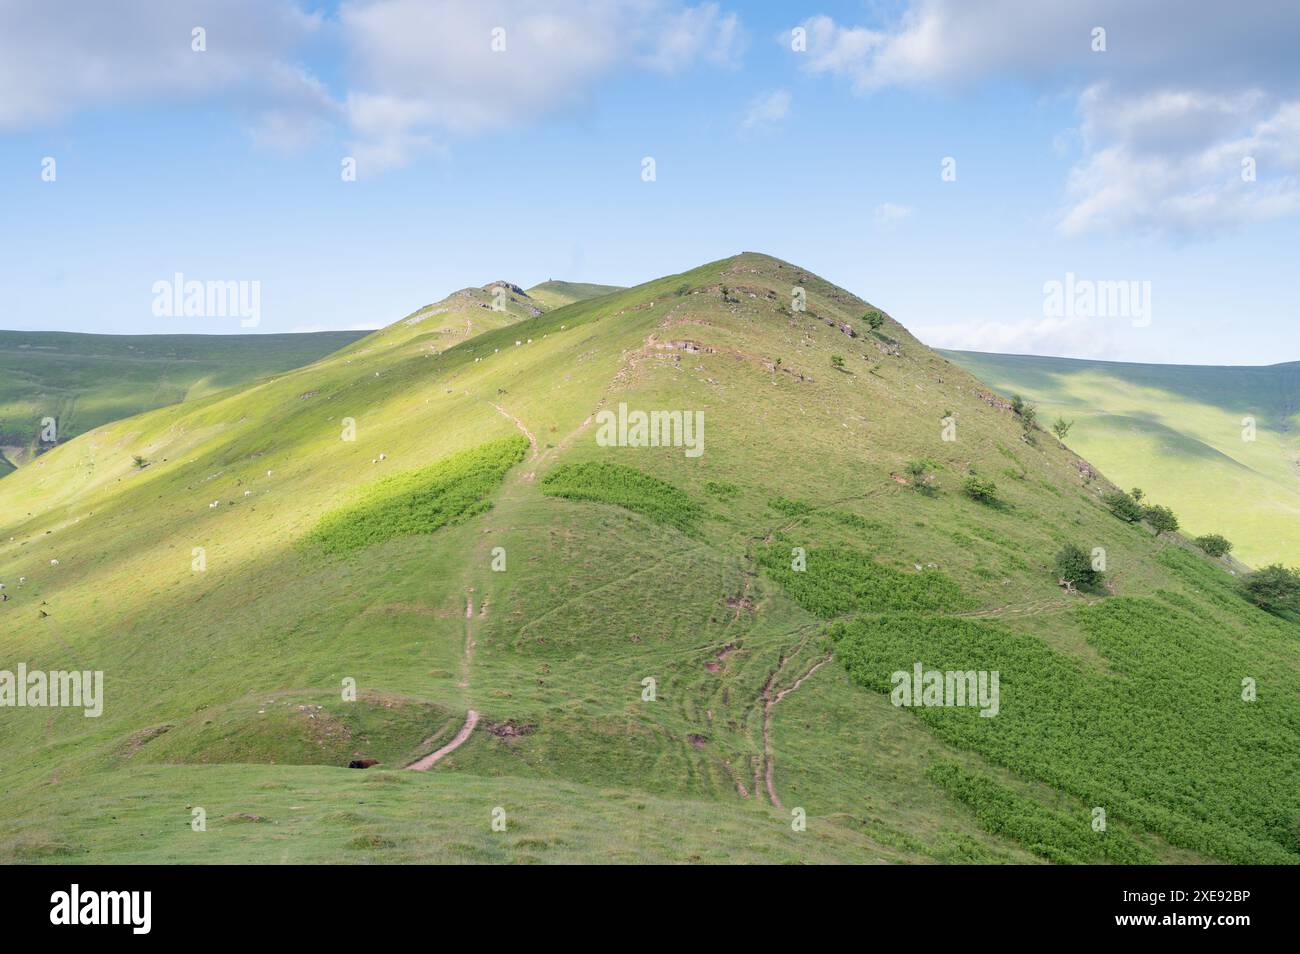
[
  {"x": 767, "y": 109},
  {"x": 58, "y": 59},
  {"x": 1067, "y": 337},
  {"x": 1184, "y": 91},
  {"x": 888, "y": 213},
  {"x": 422, "y": 72},
  {"x": 1172, "y": 161},
  {"x": 413, "y": 74}
]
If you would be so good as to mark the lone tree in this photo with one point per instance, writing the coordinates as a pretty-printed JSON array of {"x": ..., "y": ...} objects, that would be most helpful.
[
  {"x": 1074, "y": 566},
  {"x": 875, "y": 319},
  {"x": 140, "y": 462},
  {"x": 1137, "y": 493},
  {"x": 1161, "y": 518},
  {"x": 1061, "y": 428},
  {"x": 1274, "y": 588},
  {"x": 1214, "y": 544}
]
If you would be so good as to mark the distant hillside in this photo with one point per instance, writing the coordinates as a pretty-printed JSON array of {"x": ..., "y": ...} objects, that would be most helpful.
[
  {"x": 83, "y": 381},
  {"x": 557, "y": 294},
  {"x": 1176, "y": 431}
]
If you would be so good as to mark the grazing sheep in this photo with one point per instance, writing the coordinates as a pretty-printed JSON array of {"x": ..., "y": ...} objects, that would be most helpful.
[{"x": 54, "y": 563}]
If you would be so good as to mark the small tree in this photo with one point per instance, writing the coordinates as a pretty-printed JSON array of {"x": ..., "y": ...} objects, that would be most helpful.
[
  {"x": 1061, "y": 428},
  {"x": 1160, "y": 518},
  {"x": 875, "y": 319},
  {"x": 919, "y": 475},
  {"x": 1274, "y": 589},
  {"x": 1123, "y": 506},
  {"x": 837, "y": 362},
  {"x": 1074, "y": 567},
  {"x": 140, "y": 462},
  {"x": 1214, "y": 544},
  {"x": 1137, "y": 493},
  {"x": 1017, "y": 404},
  {"x": 977, "y": 488},
  {"x": 1029, "y": 416}
]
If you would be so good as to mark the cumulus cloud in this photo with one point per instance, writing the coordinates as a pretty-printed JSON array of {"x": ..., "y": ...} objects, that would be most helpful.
[
  {"x": 767, "y": 109},
  {"x": 413, "y": 74},
  {"x": 1183, "y": 162},
  {"x": 1183, "y": 92},
  {"x": 422, "y": 72},
  {"x": 56, "y": 60}
]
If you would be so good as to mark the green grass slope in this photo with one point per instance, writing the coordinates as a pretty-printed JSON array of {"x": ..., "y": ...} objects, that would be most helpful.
[
  {"x": 83, "y": 381},
  {"x": 1177, "y": 432},
  {"x": 653, "y": 679},
  {"x": 556, "y": 294}
]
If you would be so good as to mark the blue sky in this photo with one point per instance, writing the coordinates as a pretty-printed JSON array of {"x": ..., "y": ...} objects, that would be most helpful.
[{"x": 473, "y": 165}]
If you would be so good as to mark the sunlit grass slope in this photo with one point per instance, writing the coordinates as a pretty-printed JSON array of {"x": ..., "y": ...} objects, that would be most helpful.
[
  {"x": 653, "y": 679},
  {"x": 557, "y": 294},
  {"x": 83, "y": 381},
  {"x": 1178, "y": 432}
]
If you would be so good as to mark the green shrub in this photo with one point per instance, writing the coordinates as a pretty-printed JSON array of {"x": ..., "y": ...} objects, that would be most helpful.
[
  {"x": 1161, "y": 518},
  {"x": 842, "y": 580},
  {"x": 420, "y": 501},
  {"x": 978, "y": 488},
  {"x": 625, "y": 487},
  {"x": 1104, "y": 734},
  {"x": 1074, "y": 564},
  {"x": 920, "y": 474},
  {"x": 875, "y": 319},
  {"x": 1274, "y": 588},
  {"x": 1123, "y": 506},
  {"x": 1214, "y": 544},
  {"x": 791, "y": 508},
  {"x": 1055, "y": 835}
]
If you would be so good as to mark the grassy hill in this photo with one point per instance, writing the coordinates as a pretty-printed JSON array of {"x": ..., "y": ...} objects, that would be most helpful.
[
  {"x": 557, "y": 294},
  {"x": 1176, "y": 431},
  {"x": 428, "y": 515},
  {"x": 83, "y": 381}
]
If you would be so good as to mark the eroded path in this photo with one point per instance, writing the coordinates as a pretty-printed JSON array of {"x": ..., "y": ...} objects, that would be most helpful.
[
  {"x": 769, "y": 702},
  {"x": 471, "y": 720}
]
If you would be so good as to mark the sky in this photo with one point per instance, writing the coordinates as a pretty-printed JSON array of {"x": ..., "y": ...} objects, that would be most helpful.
[{"x": 1101, "y": 179}]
